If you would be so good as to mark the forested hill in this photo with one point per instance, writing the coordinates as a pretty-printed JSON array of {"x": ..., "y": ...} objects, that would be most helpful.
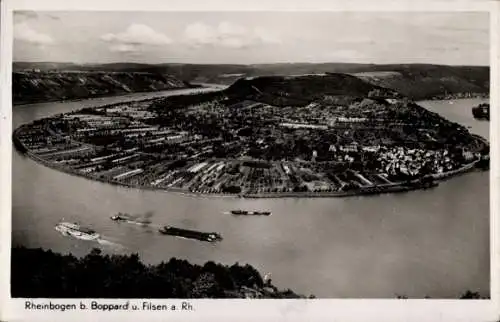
[
  {"x": 40, "y": 86},
  {"x": 39, "y": 273},
  {"x": 430, "y": 81},
  {"x": 301, "y": 90}
]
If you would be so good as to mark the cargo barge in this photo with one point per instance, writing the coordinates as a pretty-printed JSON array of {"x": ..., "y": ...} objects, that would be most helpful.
[
  {"x": 191, "y": 234},
  {"x": 239, "y": 212}
]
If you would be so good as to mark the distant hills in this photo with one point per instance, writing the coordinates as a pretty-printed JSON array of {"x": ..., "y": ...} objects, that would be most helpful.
[
  {"x": 42, "y": 86},
  {"x": 417, "y": 81},
  {"x": 427, "y": 81}
]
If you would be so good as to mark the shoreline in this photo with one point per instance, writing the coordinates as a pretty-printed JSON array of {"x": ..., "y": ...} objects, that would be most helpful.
[
  {"x": 207, "y": 85},
  {"x": 55, "y": 100},
  {"x": 457, "y": 96}
]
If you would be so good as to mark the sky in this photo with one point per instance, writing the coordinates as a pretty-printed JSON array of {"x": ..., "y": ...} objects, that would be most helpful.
[{"x": 451, "y": 38}]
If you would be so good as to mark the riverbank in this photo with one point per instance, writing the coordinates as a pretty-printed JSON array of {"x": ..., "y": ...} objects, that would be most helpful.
[
  {"x": 458, "y": 96},
  {"x": 56, "y": 100}
]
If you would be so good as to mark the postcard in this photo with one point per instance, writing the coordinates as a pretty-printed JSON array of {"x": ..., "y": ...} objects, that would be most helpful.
[{"x": 231, "y": 160}]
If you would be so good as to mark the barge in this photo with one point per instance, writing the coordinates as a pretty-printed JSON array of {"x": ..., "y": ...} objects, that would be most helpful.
[
  {"x": 191, "y": 234},
  {"x": 124, "y": 217},
  {"x": 239, "y": 212}
]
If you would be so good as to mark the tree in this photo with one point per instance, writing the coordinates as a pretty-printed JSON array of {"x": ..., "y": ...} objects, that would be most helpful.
[
  {"x": 470, "y": 295},
  {"x": 205, "y": 286}
]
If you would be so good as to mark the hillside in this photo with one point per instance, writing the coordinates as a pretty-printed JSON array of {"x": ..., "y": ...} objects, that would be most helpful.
[
  {"x": 418, "y": 81},
  {"x": 301, "y": 90},
  {"x": 205, "y": 73},
  {"x": 428, "y": 81},
  {"x": 54, "y": 275},
  {"x": 41, "y": 86}
]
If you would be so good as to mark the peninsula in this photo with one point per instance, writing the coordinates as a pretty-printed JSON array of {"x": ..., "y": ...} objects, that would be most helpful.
[{"x": 320, "y": 135}]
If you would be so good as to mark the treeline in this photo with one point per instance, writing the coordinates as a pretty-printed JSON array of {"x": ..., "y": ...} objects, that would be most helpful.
[
  {"x": 42, "y": 273},
  {"x": 37, "y": 273},
  {"x": 467, "y": 295}
]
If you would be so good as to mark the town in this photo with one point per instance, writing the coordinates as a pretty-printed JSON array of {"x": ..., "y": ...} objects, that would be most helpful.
[{"x": 250, "y": 148}]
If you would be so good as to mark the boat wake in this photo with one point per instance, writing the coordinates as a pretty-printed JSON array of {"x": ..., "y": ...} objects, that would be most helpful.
[{"x": 109, "y": 243}]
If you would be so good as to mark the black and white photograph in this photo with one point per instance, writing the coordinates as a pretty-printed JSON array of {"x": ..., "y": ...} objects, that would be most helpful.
[{"x": 250, "y": 155}]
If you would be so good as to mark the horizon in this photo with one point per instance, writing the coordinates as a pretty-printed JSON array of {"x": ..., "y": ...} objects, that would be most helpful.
[
  {"x": 251, "y": 38},
  {"x": 243, "y": 64}
]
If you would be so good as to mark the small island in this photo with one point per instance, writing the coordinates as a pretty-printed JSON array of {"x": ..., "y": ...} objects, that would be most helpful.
[{"x": 325, "y": 135}]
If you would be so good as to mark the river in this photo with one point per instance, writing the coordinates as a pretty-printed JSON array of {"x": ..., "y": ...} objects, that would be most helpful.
[{"x": 433, "y": 242}]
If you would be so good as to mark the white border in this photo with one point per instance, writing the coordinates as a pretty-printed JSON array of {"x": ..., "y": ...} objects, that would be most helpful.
[
  {"x": 494, "y": 155},
  {"x": 222, "y": 310},
  {"x": 257, "y": 5}
]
